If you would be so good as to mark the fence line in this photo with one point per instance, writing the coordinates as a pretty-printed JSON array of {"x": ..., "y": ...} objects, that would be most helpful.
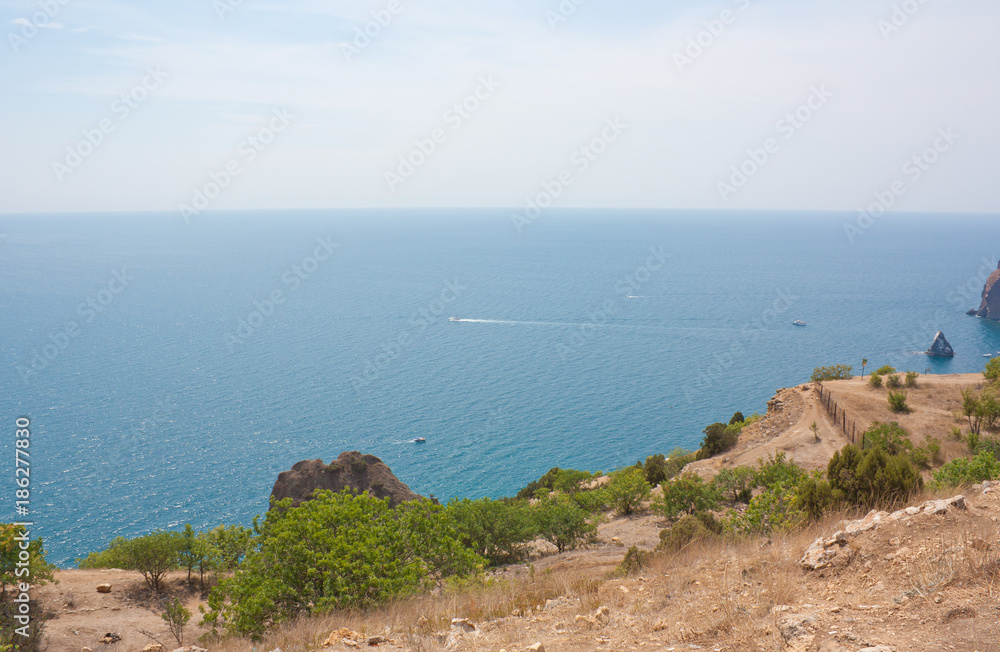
[{"x": 839, "y": 416}]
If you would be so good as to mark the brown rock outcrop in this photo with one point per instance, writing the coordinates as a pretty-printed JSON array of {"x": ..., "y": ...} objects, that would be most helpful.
[
  {"x": 351, "y": 470},
  {"x": 990, "y": 307}
]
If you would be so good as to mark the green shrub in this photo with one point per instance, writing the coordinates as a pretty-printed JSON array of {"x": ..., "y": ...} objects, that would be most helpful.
[
  {"x": 655, "y": 469},
  {"x": 685, "y": 531},
  {"x": 110, "y": 557},
  {"x": 627, "y": 489},
  {"x": 556, "y": 479},
  {"x": 676, "y": 460},
  {"x": 176, "y": 617},
  {"x": 981, "y": 408},
  {"x": 892, "y": 381},
  {"x": 563, "y": 523},
  {"x": 13, "y": 633},
  {"x": 737, "y": 418},
  {"x": 773, "y": 509},
  {"x": 337, "y": 551},
  {"x": 897, "y": 402},
  {"x": 890, "y": 437},
  {"x": 497, "y": 531},
  {"x": 992, "y": 372},
  {"x": 718, "y": 439},
  {"x": 592, "y": 500},
  {"x": 875, "y": 380},
  {"x": 836, "y": 372},
  {"x": 885, "y": 370},
  {"x": 686, "y": 494},
  {"x": 934, "y": 449},
  {"x": 958, "y": 472},
  {"x": 814, "y": 496},
  {"x": 988, "y": 445},
  {"x": 777, "y": 470},
  {"x": 230, "y": 544},
  {"x": 635, "y": 560},
  {"x": 956, "y": 433},
  {"x": 735, "y": 484},
  {"x": 871, "y": 477},
  {"x": 911, "y": 378}
]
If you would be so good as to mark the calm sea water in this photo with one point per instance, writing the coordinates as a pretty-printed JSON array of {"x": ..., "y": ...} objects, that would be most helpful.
[{"x": 207, "y": 357}]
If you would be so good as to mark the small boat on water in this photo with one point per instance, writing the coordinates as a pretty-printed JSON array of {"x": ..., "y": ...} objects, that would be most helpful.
[
  {"x": 419, "y": 440},
  {"x": 987, "y": 355},
  {"x": 798, "y": 322}
]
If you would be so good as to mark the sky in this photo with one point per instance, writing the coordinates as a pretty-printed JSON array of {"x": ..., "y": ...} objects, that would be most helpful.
[{"x": 195, "y": 105}]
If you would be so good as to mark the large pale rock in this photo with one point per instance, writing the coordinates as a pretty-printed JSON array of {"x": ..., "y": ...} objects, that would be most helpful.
[{"x": 104, "y": 588}]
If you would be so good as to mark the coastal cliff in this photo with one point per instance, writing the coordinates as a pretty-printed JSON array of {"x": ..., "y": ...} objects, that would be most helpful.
[
  {"x": 990, "y": 306},
  {"x": 351, "y": 470}
]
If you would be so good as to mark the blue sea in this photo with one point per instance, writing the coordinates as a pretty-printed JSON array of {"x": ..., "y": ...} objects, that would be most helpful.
[{"x": 171, "y": 370}]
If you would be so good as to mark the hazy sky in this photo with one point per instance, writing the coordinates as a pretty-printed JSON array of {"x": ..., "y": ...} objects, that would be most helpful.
[{"x": 111, "y": 105}]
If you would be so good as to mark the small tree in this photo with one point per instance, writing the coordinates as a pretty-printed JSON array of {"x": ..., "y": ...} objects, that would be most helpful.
[
  {"x": 718, "y": 439},
  {"x": 687, "y": 494},
  {"x": 627, "y": 489},
  {"x": 911, "y": 378},
  {"x": 152, "y": 555},
  {"x": 176, "y": 617},
  {"x": 815, "y": 431},
  {"x": 737, "y": 418},
  {"x": 563, "y": 523},
  {"x": 992, "y": 372},
  {"x": 498, "y": 531},
  {"x": 655, "y": 469}
]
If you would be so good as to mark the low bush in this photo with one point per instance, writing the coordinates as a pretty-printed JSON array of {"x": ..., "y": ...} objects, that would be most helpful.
[
  {"x": 337, "y": 551},
  {"x": 737, "y": 418},
  {"x": 897, "y": 402},
  {"x": 890, "y": 437},
  {"x": 962, "y": 471},
  {"x": 911, "y": 378},
  {"x": 655, "y": 469},
  {"x": 892, "y": 381},
  {"x": 885, "y": 370},
  {"x": 685, "y": 531},
  {"x": 676, "y": 460},
  {"x": 814, "y": 496},
  {"x": 776, "y": 469},
  {"x": 773, "y": 509},
  {"x": 992, "y": 371},
  {"x": 556, "y": 479},
  {"x": 875, "y": 380},
  {"x": 836, "y": 372},
  {"x": 635, "y": 560},
  {"x": 871, "y": 477}
]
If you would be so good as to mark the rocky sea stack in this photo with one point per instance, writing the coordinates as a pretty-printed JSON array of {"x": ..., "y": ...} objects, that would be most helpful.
[
  {"x": 990, "y": 307},
  {"x": 352, "y": 470},
  {"x": 941, "y": 348}
]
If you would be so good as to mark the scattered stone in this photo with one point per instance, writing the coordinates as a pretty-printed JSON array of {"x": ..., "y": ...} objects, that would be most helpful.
[
  {"x": 537, "y": 647},
  {"x": 601, "y": 617},
  {"x": 111, "y": 637},
  {"x": 463, "y": 624},
  {"x": 342, "y": 635},
  {"x": 422, "y": 623},
  {"x": 832, "y": 646},
  {"x": 104, "y": 588},
  {"x": 190, "y": 648},
  {"x": 154, "y": 647},
  {"x": 878, "y": 648}
]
